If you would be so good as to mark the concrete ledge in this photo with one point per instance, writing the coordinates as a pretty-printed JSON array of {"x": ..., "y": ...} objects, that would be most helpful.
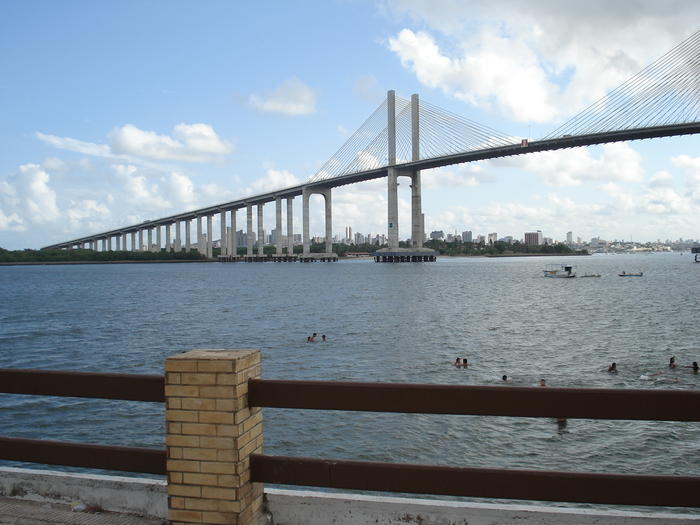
[
  {"x": 295, "y": 507},
  {"x": 142, "y": 497},
  {"x": 148, "y": 498}
]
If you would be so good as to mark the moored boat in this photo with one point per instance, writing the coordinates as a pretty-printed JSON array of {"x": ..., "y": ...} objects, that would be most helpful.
[
  {"x": 563, "y": 271},
  {"x": 628, "y": 274}
]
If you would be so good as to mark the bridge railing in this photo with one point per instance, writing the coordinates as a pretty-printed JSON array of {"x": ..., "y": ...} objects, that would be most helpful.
[
  {"x": 130, "y": 387},
  {"x": 214, "y": 460}
]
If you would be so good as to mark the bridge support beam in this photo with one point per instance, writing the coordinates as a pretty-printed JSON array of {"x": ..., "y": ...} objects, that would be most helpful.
[
  {"x": 233, "y": 241},
  {"x": 224, "y": 243},
  {"x": 140, "y": 247},
  {"x": 200, "y": 245},
  {"x": 249, "y": 230},
  {"x": 278, "y": 226},
  {"x": 290, "y": 224},
  {"x": 149, "y": 236},
  {"x": 306, "y": 194},
  {"x": 159, "y": 238},
  {"x": 133, "y": 242},
  {"x": 168, "y": 247},
  {"x": 188, "y": 232},
  {"x": 261, "y": 231},
  {"x": 210, "y": 236},
  {"x": 178, "y": 237},
  {"x": 393, "y": 208}
]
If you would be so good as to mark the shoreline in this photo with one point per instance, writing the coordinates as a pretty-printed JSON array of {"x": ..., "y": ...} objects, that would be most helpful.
[{"x": 157, "y": 261}]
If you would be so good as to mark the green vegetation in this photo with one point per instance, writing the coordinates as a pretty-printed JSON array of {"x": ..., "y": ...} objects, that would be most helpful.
[
  {"x": 20, "y": 256},
  {"x": 498, "y": 248}
]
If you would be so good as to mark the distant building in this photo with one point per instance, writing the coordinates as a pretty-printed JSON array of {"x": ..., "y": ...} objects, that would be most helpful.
[
  {"x": 507, "y": 239},
  {"x": 533, "y": 238},
  {"x": 467, "y": 236},
  {"x": 437, "y": 235},
  {"x": 492, "y": 238},
  {"x": 569, "y": 238},
  {"x": 480, "y": 239}
]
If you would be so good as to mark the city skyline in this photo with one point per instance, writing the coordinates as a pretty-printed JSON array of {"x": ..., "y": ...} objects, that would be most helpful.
[{"x": 104, "y": 131}]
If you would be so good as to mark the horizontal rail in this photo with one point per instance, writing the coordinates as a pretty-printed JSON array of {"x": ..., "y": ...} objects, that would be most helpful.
[
  {"x": 129, "y": 459},
  {"x": 620, "y": 489},
  {"x": 653, "y": 405},
  {"x": 130, "y": 387}
]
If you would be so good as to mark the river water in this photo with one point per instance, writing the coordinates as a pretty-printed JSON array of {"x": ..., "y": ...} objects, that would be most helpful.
[{"x": 384, "y": 322}]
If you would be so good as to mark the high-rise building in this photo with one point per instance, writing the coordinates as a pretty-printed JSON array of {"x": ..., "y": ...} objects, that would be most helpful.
[
  {"x": 533, "y": 238},
  {"x": 492, "y": 238},
  {"x": 467, "y": 236},
  {"x": 437, "y": 234},
  {"x": 569, "y": 238}
]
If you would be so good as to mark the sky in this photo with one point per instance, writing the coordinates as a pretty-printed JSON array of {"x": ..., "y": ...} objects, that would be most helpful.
[{"x": 116, "y": 112}]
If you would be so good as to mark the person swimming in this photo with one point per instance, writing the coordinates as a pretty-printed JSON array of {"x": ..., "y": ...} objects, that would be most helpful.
[
  {"x": 695, "y": 367},
  {"x": 505, "y": 379},
  {"x": 542, "y": 382},
  {"x": 672, "y": 362},
  {"x": 613, "y": 368},
  {"x": 458, "y": 362},
  {"x": 323, "y": 338}
]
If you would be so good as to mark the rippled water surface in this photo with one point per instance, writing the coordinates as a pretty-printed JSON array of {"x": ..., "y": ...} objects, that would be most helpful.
[{"x": 384, "y": 322}]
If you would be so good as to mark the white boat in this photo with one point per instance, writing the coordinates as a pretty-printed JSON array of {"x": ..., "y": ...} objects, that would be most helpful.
[{"x": 560, "y": 271}]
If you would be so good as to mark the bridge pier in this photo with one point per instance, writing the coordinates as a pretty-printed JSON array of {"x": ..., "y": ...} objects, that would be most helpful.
[
  {"x": 200, "y": 247},
  {"x": 249, "y": 230},
  {"x": 278, "y": 226},
  {"x": 290, "y": 229},
  {"x": 261, "y": 231},
  {"x": 188, "y": 228},
  {"x": 178, "y": 237},
  {"x": 140, "y": 247},
  {"x": 306, "y": 194},
  {"x": 233, "y": 240},
  {"x": 210, "y": 231},
  {"x": 224, "y": 243}
]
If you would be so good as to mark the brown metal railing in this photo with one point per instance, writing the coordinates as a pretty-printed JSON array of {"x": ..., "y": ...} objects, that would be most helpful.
[
  {"x": 622, "y": 489},
  {"x": 129, "y": 387}
]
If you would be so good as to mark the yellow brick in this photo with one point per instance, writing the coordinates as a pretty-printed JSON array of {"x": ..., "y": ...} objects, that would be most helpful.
[
  {"x": 177, "y": 502},
  {"x": 216, "y": 417},
  {"x": 227, "y": 430},
  {"x": 216, "y": 442},
  {"x": 181, "y": 391},
  {"x": 198, "y": 379},
  {"x": 175, "y": 477},
  {"x": 179, "y": 465},
  {"x": 202, "y": 504},
  {"x": 229, "y": 506},
  {"x": 181, "y": 415},
  {"x": 252, "y": 421},
  {"x": 223, "y": 365},
  {"x": 199, "y": 404},
  {"x": 174, "y": 428},
  {"x": 223, "y": 518},
  {"x": 218, "y": 467},
  {"x": 246, "y": 362},
  {"x": 182, "y": 441},
  {"x": 219, "y": 493},
  {"x": 174, "y": 403},
  {"x": 214, "y": 392},
  {"x": 186, "y": 515},
  {"x": 225, "y": 405},
  {"x": 249, "y": 449},
  {"x": 174, "y": 453},
  {"x": 228, "y": 480},
  {"x": 172, "y": 378},
  {"x": 184, "y": 490},
  {"x": 227, "y": 455},
  {"x": 226, "y": 379},
  {"x": 198, "y": 429},
  {"x": 180, "y": 365},
  {"x": 200, "y": 479},
  {"x": 207, "y": 454}
]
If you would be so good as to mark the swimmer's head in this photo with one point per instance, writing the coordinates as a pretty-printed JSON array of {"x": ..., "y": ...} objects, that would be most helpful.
[{"x": 505, "y": 378}]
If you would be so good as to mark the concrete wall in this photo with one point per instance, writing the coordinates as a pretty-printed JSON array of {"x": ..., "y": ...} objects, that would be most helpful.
[{"x": 148, "y": 497}]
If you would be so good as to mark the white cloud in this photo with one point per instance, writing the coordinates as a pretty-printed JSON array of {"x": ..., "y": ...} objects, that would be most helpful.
[
  {"x": 292, "y": 97},
  {"x": 570, "y": 167},
  {"x": 192, "y": 143},
  {"x": 537, "y": 61},
  {"x": 273, "y": 180},
  {"x": 27, "y": 199},
  {"x": 78, "y": 146},
  {"x": 458, "y": 176},
  {"x": 138, "y": 190}
]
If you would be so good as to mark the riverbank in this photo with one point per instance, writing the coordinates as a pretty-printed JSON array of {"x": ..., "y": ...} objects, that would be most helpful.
[{"x": 145, "y": 261}]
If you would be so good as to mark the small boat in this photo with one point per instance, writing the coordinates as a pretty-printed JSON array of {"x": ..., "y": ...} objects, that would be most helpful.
[
  {"x": 564, "y": 271},
  {"x": 627, "y": 274},
  {"x": 590, "y": 275}
]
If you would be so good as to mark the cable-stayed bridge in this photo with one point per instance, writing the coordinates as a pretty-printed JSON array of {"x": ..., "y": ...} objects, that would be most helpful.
[{"x": 404, "y": 136}]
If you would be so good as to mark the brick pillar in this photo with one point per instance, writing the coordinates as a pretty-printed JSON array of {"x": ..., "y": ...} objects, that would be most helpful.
[{"x": 211, "y": 433}]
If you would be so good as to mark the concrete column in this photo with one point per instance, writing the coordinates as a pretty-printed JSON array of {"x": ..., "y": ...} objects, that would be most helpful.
[
  {"x": 249, "y": 231},
  {"x": 124, "y": 241},
  {"x": 133, "y": 242},
  {"x": 178, "y": 237},
  {"x": 393, "y": 208},
  {"x": 261, "y": 233},
  {"x": 117, "y": 241},
  {"x": 417, "y": 233},
  {"x": 234, "y": 242},
  {"x": 222, "y": 234},
  {"x": 278, "y": 225},
  {"x": 188, "y": 231},
  {"x": 200, "y": 246},
  {"x": 392, "y": 189},
  {"x": 140, "y": 241},
  {"x": 109, "y": 243},
  {"x": 329, "y": 222},
  {"x": 210, "y": 236},
  {"x": 290, "y": 224},
  {"x": 149, "y": 236},
  {"x": 305, "y": 222},
  {"x": 159, "y": 240},
  {"x": 211, "y": 433},
  {"x": 168, "y": 248}
]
